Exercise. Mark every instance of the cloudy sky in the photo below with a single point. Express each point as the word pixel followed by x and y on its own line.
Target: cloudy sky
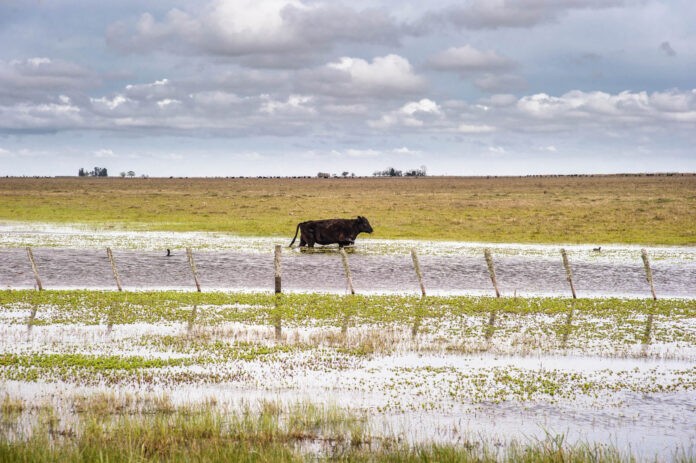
pixel 293 87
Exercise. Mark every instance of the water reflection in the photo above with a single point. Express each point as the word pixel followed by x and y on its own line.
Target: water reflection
pixel 323 271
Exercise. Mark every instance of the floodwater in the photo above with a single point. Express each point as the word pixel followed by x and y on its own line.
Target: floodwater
pixel 323 271
pixel 417 393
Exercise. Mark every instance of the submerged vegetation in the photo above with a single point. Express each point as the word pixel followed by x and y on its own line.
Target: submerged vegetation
pixel 218 376
pixel 109 429
pixel 598 209
pixel 100 307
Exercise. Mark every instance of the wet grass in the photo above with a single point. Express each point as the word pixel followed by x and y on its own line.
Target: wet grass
pixel 233 345
pixel 108 430
pixel 601 209
pixel 100 307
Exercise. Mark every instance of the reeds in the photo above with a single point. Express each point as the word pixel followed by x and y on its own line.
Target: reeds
pixel 267 431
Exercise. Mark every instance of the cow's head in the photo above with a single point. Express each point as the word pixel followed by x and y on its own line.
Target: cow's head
pixel 363 225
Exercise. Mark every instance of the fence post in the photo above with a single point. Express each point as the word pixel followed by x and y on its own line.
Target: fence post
pixel 491 270
pixel 569 273
pixel 490 329
pixel 416 266
pixel 418 316
pixel 34 269
pixel 192 264
pixel 349 279
pixel 34 307
pixel 648 272
pixel 113 269
pixel 276 265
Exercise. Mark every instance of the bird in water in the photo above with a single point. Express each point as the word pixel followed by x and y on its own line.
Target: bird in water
pixel 169 252
pixel 599 249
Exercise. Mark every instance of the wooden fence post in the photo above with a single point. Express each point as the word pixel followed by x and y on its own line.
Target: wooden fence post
pixel 418 316
pixel 346 268
pixel 569 273
pixel 416 266
pixel 490 329
pixel 34 308
pixel 113 268
pixel 648 272
pixel 192 264
pixel 491 270
pixel 34 269
pixel 276 265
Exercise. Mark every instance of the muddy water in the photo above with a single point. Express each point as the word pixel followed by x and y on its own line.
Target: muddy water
pixel 323 271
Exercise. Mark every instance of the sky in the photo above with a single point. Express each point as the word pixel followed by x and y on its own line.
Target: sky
pixel 297 87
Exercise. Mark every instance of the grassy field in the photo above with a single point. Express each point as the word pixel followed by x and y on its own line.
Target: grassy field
pixel 599 209
pixel 167 383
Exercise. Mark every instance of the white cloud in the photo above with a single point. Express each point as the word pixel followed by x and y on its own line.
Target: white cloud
pixel 468 59
pixel 293 104
pixel 475 128
pixel 413 114
pixel 601 107
pixel 250 27
pixel 391 73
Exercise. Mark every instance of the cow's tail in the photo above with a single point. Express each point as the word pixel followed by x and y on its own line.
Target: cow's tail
pixel 295 237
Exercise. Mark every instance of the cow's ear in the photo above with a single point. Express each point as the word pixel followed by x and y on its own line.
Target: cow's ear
pixel 360 217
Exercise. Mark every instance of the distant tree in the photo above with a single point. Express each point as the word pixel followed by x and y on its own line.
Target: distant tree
pixel 131 174
pixel 345 173
pixel 415 172
pixel 82 172
pixel 99 172
pixel 323 175
pixel 391 172
pixel 122 174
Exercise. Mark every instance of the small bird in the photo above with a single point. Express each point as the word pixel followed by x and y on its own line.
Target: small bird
pixel 169 252
pixel 599 249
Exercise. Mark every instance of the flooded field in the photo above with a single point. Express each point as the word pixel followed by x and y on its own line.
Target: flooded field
pixel 621 375
pixel 72 258
pixel 462 370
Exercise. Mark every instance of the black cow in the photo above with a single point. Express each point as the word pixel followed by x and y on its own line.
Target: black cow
pixel 341 231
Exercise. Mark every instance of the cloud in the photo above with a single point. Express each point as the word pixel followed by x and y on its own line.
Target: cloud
pixel 295 104
pixel 475 128
pixel 667 49
pixel 600 109
pixel 412 114
pixel 495 14
pixel 497 83
pixel 255 30
pixel 468 59
pixel 385 74
pixel 37 77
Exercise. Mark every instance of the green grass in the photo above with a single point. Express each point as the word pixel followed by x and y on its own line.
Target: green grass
pixel 271 432
pixel 101 307
pixel 601 209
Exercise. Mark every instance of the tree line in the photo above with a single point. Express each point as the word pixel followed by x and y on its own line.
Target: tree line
pixel 96 172
pixel 392 172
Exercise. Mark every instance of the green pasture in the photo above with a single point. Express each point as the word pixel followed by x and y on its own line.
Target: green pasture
pixel 597 209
